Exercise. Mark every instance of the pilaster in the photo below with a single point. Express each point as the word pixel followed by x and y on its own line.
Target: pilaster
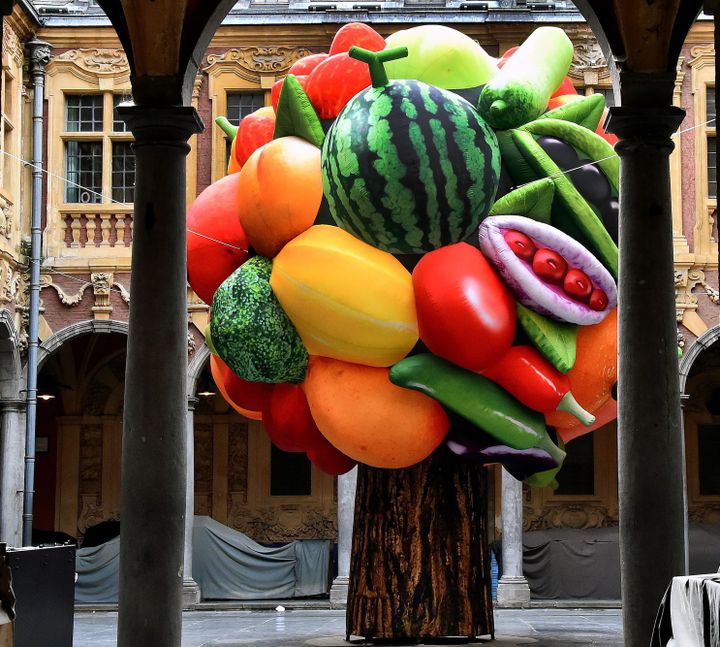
pixel 346 487
pixel 191 589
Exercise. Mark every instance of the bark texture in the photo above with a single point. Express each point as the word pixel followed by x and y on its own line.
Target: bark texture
pixel 420 566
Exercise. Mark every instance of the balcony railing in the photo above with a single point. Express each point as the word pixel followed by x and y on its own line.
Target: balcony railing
pixel 94 230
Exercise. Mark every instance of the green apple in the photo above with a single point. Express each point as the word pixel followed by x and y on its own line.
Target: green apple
pixel 440 56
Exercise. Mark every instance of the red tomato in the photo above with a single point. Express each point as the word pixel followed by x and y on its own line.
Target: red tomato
pixel 465 313
pixel 358 34
pixel 334 82
pixel 307 64
pixel 218 370
pixel 254 131
pixel 566 87
pixel 253 396
pixel 330 460
pixel 288 420
pixel 214 214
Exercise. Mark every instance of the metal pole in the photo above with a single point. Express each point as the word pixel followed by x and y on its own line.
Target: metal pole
pixel 39 52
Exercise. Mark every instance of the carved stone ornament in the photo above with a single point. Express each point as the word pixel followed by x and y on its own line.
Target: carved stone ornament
pixel 11 44
pixel 97 60
pixel 39 53
pixel 65 298
pixel 6 218
pixel 9 281
pixel 260 60
pixel 569 515
pixel 687 280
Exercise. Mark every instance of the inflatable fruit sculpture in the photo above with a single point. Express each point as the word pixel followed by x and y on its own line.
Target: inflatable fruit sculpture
pixel 393 305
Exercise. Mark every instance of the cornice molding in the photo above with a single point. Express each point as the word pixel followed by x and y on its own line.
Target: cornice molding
pixel 252 62
pixel 702 56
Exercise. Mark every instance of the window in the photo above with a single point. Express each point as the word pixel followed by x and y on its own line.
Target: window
pixel 289 473
pixel 577 476
pixel 7 127
pixel 99 161
pixel 711 143
pixel 708 459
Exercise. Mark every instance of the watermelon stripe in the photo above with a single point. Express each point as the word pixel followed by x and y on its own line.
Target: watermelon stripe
pixel 414 167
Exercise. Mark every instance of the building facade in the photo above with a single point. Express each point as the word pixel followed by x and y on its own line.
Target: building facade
pixel 239 478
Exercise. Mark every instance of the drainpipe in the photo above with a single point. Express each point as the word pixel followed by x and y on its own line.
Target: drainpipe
pixel 39 53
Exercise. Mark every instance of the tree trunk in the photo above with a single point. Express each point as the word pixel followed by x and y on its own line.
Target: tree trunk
pixel 420 566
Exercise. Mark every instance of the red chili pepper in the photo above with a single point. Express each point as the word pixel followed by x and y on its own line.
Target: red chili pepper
pixel 525 373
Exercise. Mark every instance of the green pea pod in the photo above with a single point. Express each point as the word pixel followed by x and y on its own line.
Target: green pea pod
pixel 556 340
pixel 474 397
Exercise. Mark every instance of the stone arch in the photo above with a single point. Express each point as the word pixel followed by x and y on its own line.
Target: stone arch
pixel 195 367
pixel 10 364
pixel 53 343
pixel 705 341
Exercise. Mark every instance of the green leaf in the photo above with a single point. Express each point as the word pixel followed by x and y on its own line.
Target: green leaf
pixel 296 115
pixel 533 200
pixel 555 340
pixel 586 112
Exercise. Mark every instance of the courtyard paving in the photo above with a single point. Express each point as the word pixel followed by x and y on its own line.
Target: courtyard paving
pixel 324 628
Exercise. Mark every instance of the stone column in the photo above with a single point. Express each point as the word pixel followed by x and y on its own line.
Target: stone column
pixel 651 458
pixel 154 461
pixel 346 485
pixel 513 589
pixel 191 590
pixel 12 452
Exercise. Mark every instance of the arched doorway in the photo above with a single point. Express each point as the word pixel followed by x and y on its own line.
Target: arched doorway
pixel 700 389
pixel 79 428
pixel 244 482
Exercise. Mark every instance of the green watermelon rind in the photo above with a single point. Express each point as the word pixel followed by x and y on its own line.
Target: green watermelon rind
pixel 409 167
pixel 250 330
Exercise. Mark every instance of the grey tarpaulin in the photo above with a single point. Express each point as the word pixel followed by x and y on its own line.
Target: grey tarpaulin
pixel 564 563
pixel 227 565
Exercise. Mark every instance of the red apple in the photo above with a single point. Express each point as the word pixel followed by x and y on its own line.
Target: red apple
pixel 358 34
pixel 288 421
pixel 549 265
pixel 578 285
pixel 330 460
pixel 213 216
pixel 520 244
pixel 334 82
pixel 307 64
pixel 254 131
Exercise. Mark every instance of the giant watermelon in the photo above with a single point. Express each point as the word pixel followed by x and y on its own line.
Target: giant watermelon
pixel 408 167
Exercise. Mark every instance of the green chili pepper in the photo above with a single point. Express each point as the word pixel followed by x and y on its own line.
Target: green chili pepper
pixel 473 397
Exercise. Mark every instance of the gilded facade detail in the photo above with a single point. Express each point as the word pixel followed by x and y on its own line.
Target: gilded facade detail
pixel 570 515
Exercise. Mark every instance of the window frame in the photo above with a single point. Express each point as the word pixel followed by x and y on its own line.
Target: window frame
pixel 107 136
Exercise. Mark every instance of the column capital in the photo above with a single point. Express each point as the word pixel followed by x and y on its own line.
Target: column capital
pixel 13 405
pixel 39 52
pixel 161 126
pixel 643 126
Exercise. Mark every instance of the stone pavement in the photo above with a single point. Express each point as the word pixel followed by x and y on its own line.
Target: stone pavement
pixel 324 628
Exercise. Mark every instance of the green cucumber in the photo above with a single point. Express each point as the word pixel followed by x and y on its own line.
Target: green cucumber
pixel 522 88
pixel 473 397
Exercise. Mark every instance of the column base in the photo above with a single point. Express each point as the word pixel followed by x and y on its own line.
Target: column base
pixel 513 593
pixel 190 593
pixel 339 592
